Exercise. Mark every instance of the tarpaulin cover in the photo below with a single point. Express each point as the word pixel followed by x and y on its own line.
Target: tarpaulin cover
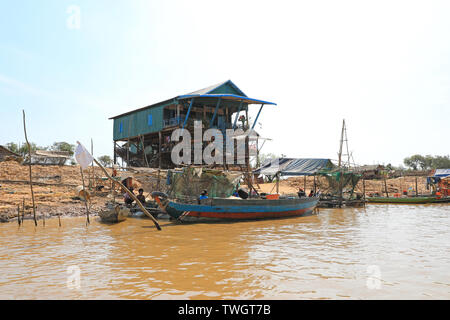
pixel 294 167
pixel 442 173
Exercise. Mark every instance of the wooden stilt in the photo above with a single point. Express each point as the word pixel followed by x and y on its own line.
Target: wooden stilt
pixel 115 154
pixel 29 167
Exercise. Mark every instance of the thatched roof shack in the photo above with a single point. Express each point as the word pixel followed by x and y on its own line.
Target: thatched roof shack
pixel 370 171
pixel 6 154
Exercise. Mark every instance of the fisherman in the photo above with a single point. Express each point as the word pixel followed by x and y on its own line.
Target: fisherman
pixel 203 195
pixel 141 196
pixel 127 198
pixel 311 194
pixel 236 193
pixel 301 193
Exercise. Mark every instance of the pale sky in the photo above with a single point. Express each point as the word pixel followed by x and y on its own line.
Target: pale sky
pixel 384 66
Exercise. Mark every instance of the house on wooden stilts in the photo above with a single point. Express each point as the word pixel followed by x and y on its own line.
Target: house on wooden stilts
pixel 145 133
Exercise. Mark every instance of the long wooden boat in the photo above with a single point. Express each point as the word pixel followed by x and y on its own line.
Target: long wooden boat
pixel 407 200
pixel 220 209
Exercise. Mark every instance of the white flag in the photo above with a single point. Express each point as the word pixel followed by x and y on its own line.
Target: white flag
pixel 82 156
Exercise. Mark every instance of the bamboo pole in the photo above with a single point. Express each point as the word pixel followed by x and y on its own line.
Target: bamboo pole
pixel 18 214
pixel 385 188
pixel 23 209
pixel 85 197
pixel 159 159
pixel 364 191
pixel 92 166
pixel 130 193
pixel 417 190
pixel 29 167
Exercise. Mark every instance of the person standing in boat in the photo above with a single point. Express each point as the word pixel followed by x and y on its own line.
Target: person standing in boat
pixel 311 194
pixel 301 193
pixel 203 195
pixel 141 196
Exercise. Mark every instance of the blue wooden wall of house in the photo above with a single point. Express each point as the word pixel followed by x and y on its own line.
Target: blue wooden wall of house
pixel 150 119
pixel 140 122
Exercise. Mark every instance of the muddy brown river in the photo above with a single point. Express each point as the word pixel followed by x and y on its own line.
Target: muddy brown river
pixel 377 252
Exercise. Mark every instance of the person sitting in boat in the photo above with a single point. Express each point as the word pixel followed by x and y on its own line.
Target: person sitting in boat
pixel 311 193
pixel 203 195
pixel 141 196
pixel 301 193
pixel 236 193
pixel 127 198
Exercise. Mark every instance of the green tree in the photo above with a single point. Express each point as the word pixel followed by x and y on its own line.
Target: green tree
pixel 418 161
pixel 441 162
pixel 415 162
pixel 23 150
pixel 12 147
pixel 106 161
pixel 63 146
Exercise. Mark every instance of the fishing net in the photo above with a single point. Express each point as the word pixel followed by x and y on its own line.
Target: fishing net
pixel 190 182
pixel 349 180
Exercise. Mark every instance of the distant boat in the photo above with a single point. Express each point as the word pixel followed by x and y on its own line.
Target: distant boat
pixel 408 200
pixel 225 209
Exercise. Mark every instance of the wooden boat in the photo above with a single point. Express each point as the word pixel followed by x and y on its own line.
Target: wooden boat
pixel 220 209
pixel 406 200
pixel 114 215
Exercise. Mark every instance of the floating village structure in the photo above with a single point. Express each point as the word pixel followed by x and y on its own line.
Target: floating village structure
pixel 146 132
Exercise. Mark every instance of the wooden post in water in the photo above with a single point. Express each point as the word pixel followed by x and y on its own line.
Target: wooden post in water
pixel 92 183
pixel 85 197
pixel 18 214
pixel 23 209
pixel 29 167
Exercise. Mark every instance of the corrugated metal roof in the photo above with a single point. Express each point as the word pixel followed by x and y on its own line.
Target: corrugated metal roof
pixel 293 167
pixel 204 91
pixel 208 89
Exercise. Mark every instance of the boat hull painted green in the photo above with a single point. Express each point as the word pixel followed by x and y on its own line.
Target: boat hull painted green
pixel 406 200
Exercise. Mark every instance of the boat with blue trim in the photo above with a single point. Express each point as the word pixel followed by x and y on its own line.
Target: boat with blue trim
pixel 235 209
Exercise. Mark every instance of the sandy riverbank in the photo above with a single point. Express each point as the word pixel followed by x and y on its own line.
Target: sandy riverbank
pixel 55 189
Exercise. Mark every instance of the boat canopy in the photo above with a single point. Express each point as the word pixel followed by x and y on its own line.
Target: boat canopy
pixel 441 173
pixel 294 166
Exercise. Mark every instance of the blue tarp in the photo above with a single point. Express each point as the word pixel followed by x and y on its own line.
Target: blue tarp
pixel 293 167
pixel 441 173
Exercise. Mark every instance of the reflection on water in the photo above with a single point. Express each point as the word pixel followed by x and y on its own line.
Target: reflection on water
pixel 381 252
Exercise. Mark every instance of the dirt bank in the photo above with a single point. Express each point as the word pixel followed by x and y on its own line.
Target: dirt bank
pixel 291 185
pixel 54 190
